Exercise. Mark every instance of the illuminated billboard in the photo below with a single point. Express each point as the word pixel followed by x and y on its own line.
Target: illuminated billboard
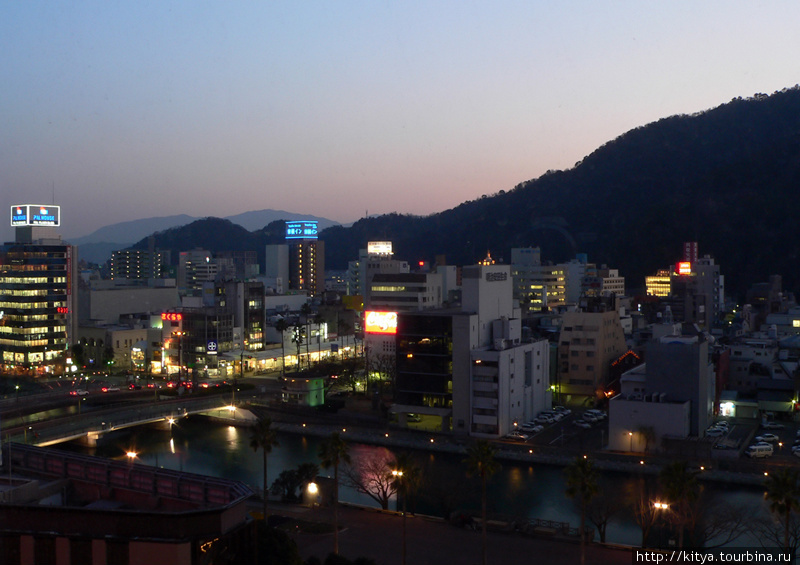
pixel 380 322
pixel 35 215
pixel 684 268
pixel 171 316
pixel 379 247
pixel 301 230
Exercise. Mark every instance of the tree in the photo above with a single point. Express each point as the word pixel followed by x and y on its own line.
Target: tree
pixel 333 451
pixel 582 487
pixel 305 310
pixel 343 328
pixel 318 321
pixel 297 339
pixel 681 491
pixel 783 494
pixel 640 500
pixel 406 475
pixel 264 438
pixel 602 508
pixel 371 474
pixel 648 435
pixel 290 480
pixel 281 326
pixel 481 462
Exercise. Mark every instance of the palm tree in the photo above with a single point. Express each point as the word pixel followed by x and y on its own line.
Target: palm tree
pixel 681 489
pixel 481 462
pixel 305 310
pixel 264 438
pixel 406 481
pixel 582 486
pixel 319 319
pixel 783 494
pixel 297 339
pixel 282 325
pixel 342 327
pixel 332 452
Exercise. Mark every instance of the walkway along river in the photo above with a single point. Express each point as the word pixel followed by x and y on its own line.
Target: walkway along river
pixel 520 489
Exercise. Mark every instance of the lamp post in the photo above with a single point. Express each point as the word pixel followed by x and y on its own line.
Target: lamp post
pixel 398 475
pixel 630 441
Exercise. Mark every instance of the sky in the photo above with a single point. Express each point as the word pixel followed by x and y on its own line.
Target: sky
pixel 134 109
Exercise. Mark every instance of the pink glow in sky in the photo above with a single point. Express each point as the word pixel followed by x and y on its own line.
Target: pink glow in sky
pixel 128 110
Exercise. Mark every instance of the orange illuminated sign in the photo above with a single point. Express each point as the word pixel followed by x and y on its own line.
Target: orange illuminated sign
pixel 171 316
pixel 684 268
pixel 380 322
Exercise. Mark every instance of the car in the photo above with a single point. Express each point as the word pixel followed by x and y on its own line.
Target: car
pixel 795 448
pixel 599 414
pixel 715 432
pixel 772 426
pixel 78 392
pixel 517 436
pixel 110 389
pixel 561 409
pixel 591 418
pixel 582 424
pixel 558 416
pixel 796 453
pixel 767 438
pixel 134 386
pixel 410 417
pixel 544 420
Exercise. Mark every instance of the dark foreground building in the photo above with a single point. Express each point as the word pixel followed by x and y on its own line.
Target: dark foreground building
pixel 62 508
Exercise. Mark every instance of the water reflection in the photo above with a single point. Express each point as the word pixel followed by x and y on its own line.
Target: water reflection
pixel 523 490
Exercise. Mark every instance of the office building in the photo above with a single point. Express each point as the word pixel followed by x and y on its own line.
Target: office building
pixel 38 298
pixel 469 366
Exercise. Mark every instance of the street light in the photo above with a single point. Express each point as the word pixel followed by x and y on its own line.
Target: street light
pixel 398 475
pixel 630 438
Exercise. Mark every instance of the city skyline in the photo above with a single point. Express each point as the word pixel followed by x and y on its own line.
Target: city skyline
pixel 128 111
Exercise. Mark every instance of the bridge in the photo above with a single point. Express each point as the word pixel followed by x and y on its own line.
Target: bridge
pixel 90 426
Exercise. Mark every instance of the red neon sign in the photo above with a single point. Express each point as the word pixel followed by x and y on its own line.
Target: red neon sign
pixel 684 268
pixel 171 316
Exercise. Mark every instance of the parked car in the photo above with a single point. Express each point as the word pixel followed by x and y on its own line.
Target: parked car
pixel 759 451
pixel 413 417
pixel 771 438
pixel 599 414
pixel 544 420
pixel 582 424
pixel 772 426
pixel 591 418
pixel 517 436
pixel 715 432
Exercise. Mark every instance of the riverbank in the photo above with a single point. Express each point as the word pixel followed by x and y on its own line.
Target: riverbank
pixel 373 433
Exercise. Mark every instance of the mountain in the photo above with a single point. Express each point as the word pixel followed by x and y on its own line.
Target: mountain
pixel 726 178
pixel 98 246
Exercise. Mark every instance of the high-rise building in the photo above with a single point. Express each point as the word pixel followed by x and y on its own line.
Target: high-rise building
pixel 136 264
pixel 38 275
pixel 195 267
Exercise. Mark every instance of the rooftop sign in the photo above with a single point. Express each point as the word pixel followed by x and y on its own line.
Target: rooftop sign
pixel 380 322
pixel 301 230
pixel 35 215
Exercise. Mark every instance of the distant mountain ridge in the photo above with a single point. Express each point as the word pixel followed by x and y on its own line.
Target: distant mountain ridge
pixel 98 246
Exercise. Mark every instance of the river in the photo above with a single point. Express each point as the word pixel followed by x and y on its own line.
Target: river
pixel 529 491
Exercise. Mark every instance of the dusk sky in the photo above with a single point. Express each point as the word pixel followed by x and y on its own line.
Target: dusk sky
pixel 128 110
